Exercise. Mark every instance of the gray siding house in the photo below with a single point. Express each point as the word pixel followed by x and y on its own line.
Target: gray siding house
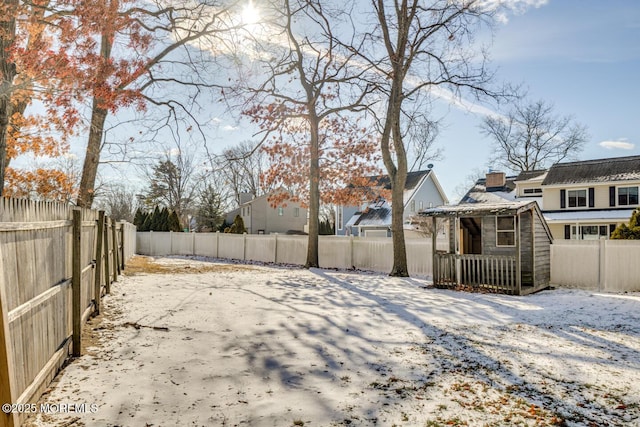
pixel 261 218
pixel 373 217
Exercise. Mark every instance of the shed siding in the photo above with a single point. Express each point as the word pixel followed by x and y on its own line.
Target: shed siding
pixel 526 248
pixel 542 256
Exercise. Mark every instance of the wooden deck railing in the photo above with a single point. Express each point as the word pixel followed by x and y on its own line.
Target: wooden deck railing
pixel 491 272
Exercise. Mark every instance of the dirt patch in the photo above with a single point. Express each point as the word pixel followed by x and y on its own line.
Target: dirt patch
pixel 148 265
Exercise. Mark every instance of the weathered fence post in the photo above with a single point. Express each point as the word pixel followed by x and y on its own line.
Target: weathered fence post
pixel 6 367
pixel 98 277
pixel 122 257
pixel 115 250
pixel 76 281
pixel 107 272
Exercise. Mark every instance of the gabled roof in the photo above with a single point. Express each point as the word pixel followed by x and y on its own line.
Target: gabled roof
pixel 481 209
pixel 530 175
pixel 374 217
pixel 480 194
pixel 593 171
pixel 413 180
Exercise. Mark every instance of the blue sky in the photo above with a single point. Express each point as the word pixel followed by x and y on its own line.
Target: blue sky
pixel 581 55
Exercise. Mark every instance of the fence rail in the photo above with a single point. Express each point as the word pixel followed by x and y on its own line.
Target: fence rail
pixel 490 272
pixel 56 262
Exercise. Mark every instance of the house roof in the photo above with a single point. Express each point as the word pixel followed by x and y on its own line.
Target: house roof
pixel 593 171
pixel 413 180
pixel 374 217
pixel 589 216
pixel 480 194
pixel 530 175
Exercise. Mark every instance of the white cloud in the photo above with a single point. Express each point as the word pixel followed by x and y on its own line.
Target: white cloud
pixel 517 7
pixel 620 144
pixel 229 128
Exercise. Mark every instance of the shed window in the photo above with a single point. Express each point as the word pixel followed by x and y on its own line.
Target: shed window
pixel 506 231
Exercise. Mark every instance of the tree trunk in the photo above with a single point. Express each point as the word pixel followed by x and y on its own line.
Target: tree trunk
pixel 7 74
pixel 392 134
pixel 92 157
pixel 86 192
pixel 314 194
pixel 400 268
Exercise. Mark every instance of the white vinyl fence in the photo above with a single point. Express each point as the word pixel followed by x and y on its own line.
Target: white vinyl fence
pixel 373 254
pixel 601 265
pixel 604 265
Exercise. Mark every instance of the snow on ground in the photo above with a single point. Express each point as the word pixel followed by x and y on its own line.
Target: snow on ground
pixel 267 346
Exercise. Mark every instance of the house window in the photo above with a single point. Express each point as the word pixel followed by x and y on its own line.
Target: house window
pixel 506 231
pixel 296 212
pixel 280 211
pixel 421 205
pixel 413 206
pixel 589 232
pixel 248 210
pixel 533 191
pixel 577 198
pixel 627 196
pixel 339 214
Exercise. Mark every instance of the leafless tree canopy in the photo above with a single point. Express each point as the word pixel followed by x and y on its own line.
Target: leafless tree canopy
pixel 533 136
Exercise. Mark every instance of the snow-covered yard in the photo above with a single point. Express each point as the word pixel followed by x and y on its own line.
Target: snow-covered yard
pixel 213 344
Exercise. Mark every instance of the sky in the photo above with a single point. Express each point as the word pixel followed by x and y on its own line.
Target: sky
pixel 583 56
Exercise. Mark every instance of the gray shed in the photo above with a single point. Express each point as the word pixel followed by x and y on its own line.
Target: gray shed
pixel 502 247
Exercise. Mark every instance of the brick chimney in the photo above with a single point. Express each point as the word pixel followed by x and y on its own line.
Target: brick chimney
pixel 495 180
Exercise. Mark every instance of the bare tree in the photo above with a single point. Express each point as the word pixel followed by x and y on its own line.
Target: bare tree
pixel 306 81
pixel 165 35
pixel 241 168
pixel 118 201
pixel 416 48
pixel 532 136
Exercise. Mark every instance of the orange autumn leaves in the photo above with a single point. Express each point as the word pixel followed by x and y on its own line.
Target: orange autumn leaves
pixel 54 49
pixel 347 153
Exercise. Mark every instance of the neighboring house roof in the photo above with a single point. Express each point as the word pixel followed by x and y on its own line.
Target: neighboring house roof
pixel 479 193
pixel 373 216
pixel 531 175
pixel 622 215
pixel 594 171
pixel 378 213
pixel 414 180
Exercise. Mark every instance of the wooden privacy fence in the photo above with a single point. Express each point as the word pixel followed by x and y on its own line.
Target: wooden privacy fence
pixel 56 262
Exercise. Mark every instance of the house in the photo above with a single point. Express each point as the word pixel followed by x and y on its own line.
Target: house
pixel 589 199
pixel 261 218
pixel 496 187
pixel 373 217
pixel 502 246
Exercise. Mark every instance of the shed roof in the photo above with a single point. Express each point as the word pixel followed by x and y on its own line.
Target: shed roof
pixel 480 209
pixel 598 170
